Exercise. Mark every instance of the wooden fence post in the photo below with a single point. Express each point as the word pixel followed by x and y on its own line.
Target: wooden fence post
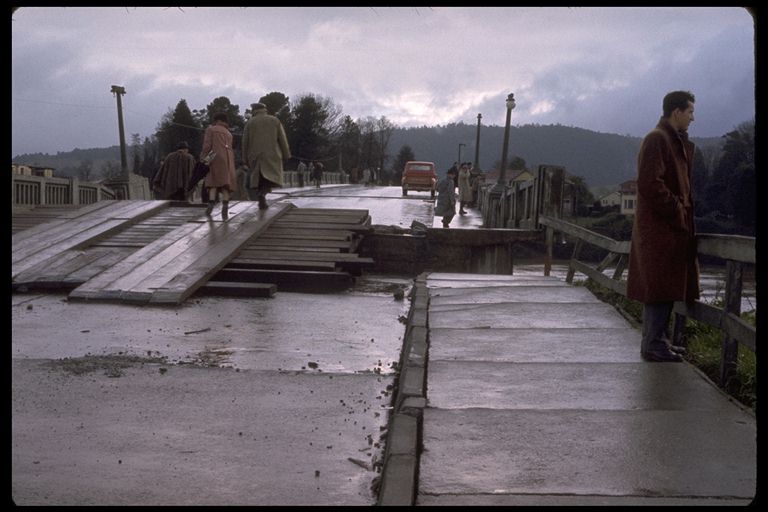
pixel 730 348
pixel 548 257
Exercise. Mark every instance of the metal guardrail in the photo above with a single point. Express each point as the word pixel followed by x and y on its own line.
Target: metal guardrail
pixel 38 190
pixel 735 250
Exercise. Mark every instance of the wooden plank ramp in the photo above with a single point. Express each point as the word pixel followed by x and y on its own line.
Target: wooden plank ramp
pixel 174 266
pixel 308 250
pixel 46 243
pixel 161 252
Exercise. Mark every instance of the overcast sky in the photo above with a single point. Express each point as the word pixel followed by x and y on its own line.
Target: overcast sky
pixel 604 69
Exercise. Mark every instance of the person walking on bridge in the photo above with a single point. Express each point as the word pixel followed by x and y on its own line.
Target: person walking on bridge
pixel 446 198
pixel 265 147
pixel 220 180
pixel 663 267
pixel 171 179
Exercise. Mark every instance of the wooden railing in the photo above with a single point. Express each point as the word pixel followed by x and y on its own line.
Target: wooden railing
pixel 737 251
pixel 37 190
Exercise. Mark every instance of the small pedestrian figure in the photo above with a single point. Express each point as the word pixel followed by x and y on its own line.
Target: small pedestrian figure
pixel 465 190
pixel 446 198
pixel 241 177
pixel 300 170
pixel 171 179
pixel 317 173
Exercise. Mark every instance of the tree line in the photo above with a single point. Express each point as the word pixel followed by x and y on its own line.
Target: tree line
pixel 315 126
pixel 724 174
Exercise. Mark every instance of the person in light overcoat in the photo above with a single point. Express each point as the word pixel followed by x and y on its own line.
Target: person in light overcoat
pixel 663 266
pixel 220 179
pixel 265 147
pixel 465 189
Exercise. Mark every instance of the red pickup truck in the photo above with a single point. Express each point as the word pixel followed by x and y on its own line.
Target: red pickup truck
pixel 419 176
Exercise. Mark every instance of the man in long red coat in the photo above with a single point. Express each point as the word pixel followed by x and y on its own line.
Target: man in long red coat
pixel 662 262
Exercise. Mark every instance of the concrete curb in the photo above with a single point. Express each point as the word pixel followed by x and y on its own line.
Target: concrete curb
pixel 399 478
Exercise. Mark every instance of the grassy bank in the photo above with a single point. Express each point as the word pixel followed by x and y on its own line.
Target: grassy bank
pixel 703 343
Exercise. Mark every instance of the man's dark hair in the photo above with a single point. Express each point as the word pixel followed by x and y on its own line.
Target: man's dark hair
pixel 221 116
pixel 675 100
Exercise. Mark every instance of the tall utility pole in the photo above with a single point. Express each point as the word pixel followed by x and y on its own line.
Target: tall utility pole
pixel 119 91
pixel 477 144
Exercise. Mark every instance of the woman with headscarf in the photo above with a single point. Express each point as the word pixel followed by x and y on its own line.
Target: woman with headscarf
pixel 220 180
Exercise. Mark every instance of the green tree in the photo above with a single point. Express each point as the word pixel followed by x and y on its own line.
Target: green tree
pixel 151 159
pixel 110 170
pixel 699 181
pixel 369 143
pixel 313 126
pixel 384 129
pixel 204 117
pixel 582 196
pixel 731 188
pixel 278 105
pixel 85 170
pixel 179 125
pixel 405 154
pixel 349 143
pixel 136 145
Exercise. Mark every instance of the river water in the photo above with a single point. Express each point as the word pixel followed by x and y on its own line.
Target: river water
pixel 712 281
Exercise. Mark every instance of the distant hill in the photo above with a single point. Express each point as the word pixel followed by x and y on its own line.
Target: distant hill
pixel 602 159
pixel 66 163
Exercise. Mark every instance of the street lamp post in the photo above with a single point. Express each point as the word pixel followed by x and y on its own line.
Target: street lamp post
pixel 503 171
pixel 493 217
pixel 477 144
pixel 460 145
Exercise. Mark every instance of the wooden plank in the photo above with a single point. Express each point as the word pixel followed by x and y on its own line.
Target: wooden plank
pixel 332 244
pixel 228 289
pixel 63 219
pixel 217 256
pixel 322 256
pixel 324 219
pixel 277 247
pixel 87 230
pixel 94 287
pixel 31 275
pixel 292 280
pixel 341 211
pixel 112 257
pixel 140 285
pixel 328 266
pixel 48 230
pixel 308 235
pixel 162 266
pixel 310 225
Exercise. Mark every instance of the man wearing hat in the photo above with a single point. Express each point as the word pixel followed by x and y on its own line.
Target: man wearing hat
pixel 265 147
pixel 171 179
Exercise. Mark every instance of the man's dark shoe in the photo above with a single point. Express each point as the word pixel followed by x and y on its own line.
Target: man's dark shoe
pixel 661 356
pixel 263 203
pixel 678 350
